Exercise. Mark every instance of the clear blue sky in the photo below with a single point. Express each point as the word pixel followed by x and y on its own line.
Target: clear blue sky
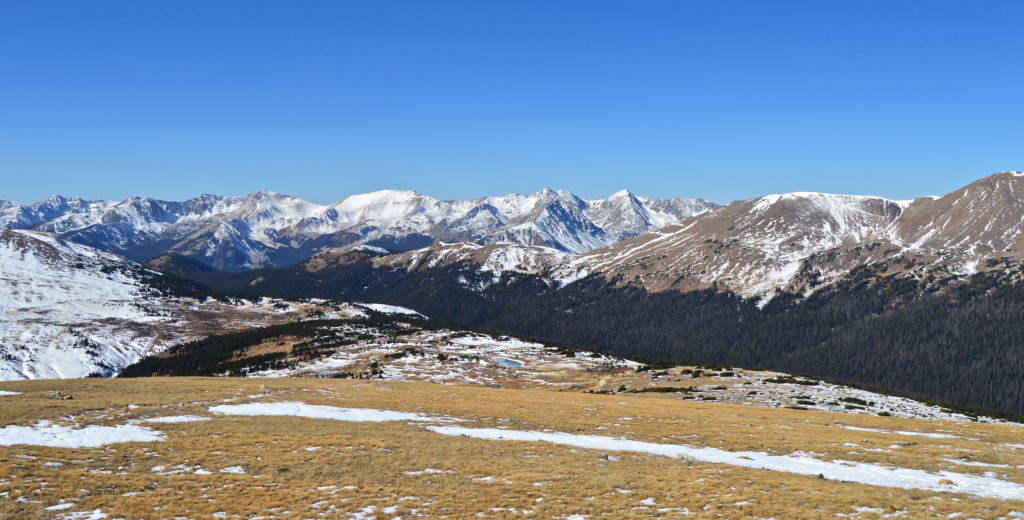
pixel 717 99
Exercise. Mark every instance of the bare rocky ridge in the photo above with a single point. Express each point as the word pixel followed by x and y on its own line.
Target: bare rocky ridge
pixel 782 242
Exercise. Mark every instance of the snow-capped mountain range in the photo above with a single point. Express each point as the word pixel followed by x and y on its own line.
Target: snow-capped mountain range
pixel 267 229
pixel 794 242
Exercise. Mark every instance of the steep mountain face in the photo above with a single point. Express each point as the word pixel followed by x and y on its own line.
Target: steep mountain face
pixel 267 229
pixel 750 247
pixel 628 215
pixel 70 310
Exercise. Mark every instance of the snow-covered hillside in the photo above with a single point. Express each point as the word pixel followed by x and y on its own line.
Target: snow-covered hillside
pixel 270 229
pixel 69 310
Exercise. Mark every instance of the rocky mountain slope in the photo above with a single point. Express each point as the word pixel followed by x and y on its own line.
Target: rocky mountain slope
pixel 268 229
pixel 797 241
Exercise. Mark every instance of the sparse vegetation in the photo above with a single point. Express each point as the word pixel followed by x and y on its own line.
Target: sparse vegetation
pixel 282 478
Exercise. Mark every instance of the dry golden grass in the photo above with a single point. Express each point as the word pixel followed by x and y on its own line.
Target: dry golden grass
pixel 358 465
pixel 272 346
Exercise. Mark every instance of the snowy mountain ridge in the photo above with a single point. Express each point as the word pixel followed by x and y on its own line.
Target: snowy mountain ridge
pixel 795 242
pixel 266 229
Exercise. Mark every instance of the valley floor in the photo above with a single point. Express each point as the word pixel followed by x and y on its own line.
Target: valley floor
pixel 331 448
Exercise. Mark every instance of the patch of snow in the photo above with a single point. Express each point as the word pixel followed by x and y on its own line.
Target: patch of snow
pixel 913 434
pixel 859 472
pixel 176 419
pixel 428 471
pixel 977 464
pixel 373 249
pixel 365 513
pixel 54 436
pixel 314 411
pixel 388 309
pixel 96 514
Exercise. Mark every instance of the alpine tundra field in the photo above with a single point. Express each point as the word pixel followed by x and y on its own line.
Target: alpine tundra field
pixel 250 448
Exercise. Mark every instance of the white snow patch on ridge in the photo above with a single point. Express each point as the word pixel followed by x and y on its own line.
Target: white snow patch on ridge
pixel 314 411
pixel 4 392
pixel 373 249
pixel 388 309
pixel 859 472
pixel 54 436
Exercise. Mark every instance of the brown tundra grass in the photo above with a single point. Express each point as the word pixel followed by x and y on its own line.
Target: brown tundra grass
pixel 308 468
